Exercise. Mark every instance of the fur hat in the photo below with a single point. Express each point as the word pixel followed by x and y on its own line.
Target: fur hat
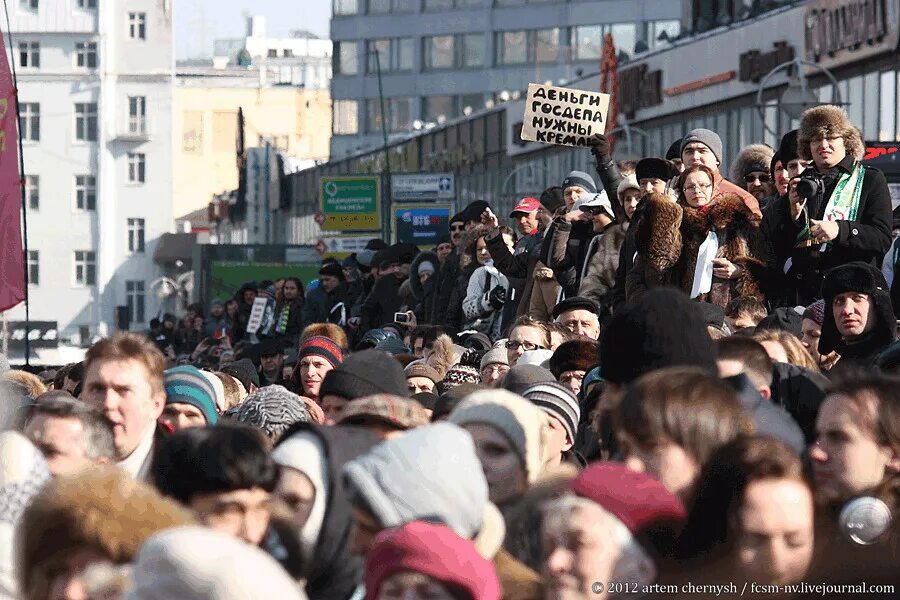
pixel 829 120
pixel 575 355
pixel 103 510
pixel 863 278
pixel 752 158
pixel 654 168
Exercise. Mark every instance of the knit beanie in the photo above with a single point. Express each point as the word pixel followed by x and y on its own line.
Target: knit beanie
pixel 523 424
pixel 364 374
pixel 461 374
pixel 495 356
pixel 324 347
pixel 663 328
pixel 674 151
pixel 420 368
pixel 788 150
pixel 393 411
pixel 426 266
pixel 557 401
pixel 815 312
pixel 521 377
pixel 708 138
pixel 651 513
pixel 271 409
pixel 581 179
pixel 433 550
pixel 575 355
pixel 244 371
pixel 187 385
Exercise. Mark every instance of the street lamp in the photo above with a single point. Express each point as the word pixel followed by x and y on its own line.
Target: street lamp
pixel 798 96
pixel 386 208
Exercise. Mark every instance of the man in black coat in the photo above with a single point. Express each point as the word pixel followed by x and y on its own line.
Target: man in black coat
pixel 848 220
pixel 450 270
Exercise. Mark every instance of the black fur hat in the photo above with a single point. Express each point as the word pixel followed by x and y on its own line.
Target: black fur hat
pixel 862 278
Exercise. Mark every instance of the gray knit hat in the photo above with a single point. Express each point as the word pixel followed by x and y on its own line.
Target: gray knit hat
pixel 581 179
pixel 272 409
pixel 557 401
pixel 708 138
pixel 521 377
pixel 494 356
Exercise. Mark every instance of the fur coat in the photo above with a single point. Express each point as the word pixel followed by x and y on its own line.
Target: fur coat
pixel 670 235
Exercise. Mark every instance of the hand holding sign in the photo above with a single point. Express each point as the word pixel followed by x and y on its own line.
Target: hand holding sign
pixel 563 116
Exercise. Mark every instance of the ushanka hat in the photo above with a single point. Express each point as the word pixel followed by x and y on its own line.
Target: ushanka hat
pixel 828 120
pixel 861 278
pixel 575 355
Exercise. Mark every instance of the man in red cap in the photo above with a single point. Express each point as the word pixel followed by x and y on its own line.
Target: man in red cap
pixel 525 215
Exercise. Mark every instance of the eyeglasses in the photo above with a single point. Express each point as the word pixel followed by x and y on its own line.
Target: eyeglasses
pixel 457 228
pixel 527 346
pixel 698 187
pixel 761 178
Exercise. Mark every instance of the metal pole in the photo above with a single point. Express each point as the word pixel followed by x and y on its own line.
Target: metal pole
pixel 265 177
pixel 12 60
pixel 386 199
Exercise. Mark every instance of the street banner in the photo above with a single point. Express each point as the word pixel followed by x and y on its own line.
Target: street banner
pixel 12 271
pixel 421 224
pixel 422 186
pixel 350 203
pixel 563 116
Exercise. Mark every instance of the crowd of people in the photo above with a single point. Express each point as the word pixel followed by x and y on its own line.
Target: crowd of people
pixel 659 382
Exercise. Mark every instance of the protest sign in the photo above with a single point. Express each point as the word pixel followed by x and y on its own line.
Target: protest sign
pixel 256 315
pixel 563 116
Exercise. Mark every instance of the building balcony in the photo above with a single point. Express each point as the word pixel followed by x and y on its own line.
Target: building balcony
pixel 134 130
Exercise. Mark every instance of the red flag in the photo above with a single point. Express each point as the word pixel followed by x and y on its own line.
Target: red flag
pixel 12 273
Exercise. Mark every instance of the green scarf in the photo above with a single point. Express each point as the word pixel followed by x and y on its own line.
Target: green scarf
pixel 843 205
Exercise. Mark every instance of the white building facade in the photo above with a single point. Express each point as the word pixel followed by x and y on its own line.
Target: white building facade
pixel 96 82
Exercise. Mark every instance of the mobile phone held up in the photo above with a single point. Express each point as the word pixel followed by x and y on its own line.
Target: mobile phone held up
pixel 401 317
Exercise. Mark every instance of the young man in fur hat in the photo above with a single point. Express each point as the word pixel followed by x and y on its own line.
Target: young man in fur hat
pixel 848 220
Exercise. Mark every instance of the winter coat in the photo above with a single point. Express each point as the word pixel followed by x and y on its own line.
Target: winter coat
pixel 598 276
pixel 445 284
pixel 211 325
pixel 423 294
pixel 477 309
pixel 800 392
pixel 564 250
pixel 518 265
pixel 381 304
pixel 453 312
pixel 768 418
pixel 517 283
pixel 289 319
pixel 669 239
pixel 321 307
pixel 866 239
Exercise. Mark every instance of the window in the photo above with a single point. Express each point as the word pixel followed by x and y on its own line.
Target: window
pixel 472 50
pixel 546 45
pixel 135 235
pixel 346 58
pixel 387 6
pixel 272 53
pixel 30 121
pixel 86 55
pixel 471 102
pixel 29 55
pixel 394 54
pixel 346 117
pixel 86 121
pixel 345 7
pixel 659 32
pixel 399 114
pixel 85 267
pixel 588 39
pixel 135 299
pixel 512 47
pixel 34 268
pixel 437 109
pixel 87 3
pixel 136 167
pixel 137 25
pixel 28 4
pixel 379 6
pixel 887 102
pixel 137 115
pixel 448 4
pixel 32 191
pixel 439 52
pixel 624 37
pixel 85 192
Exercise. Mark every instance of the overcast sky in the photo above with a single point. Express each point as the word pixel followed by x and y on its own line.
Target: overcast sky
pixel 199 22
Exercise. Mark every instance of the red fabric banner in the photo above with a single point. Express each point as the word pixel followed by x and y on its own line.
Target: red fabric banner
pixel 12 274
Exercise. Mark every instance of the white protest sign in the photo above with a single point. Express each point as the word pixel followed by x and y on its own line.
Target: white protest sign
pixel 563 116
pixel 256 315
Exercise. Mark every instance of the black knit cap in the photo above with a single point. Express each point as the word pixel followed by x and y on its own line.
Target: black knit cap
pixel 788 149
pixel 674 151
pixel 862 278
pixel 661 329
pixel 244 371
pixel 654 168
pixel 332 270
pixel 775 158
pixel 364 374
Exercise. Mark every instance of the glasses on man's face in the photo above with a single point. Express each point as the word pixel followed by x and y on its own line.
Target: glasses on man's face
pixel 760 178
pixel 457 228
pixel 527 346
pixel 697 187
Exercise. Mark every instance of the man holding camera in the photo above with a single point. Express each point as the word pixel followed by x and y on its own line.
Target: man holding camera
pixel 837 211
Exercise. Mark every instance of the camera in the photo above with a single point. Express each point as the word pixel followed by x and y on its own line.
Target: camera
pixel 810 186
pixel 401 317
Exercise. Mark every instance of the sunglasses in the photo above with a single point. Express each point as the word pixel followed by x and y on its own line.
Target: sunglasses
pixel 457 228
pixel 761 178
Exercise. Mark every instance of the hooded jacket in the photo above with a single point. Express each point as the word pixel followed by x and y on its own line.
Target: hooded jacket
pixel 862 352
pixel 332 573
pixel 477 308
pixel 423 293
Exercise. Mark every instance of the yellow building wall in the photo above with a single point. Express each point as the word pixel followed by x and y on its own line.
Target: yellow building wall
pixel 296 120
